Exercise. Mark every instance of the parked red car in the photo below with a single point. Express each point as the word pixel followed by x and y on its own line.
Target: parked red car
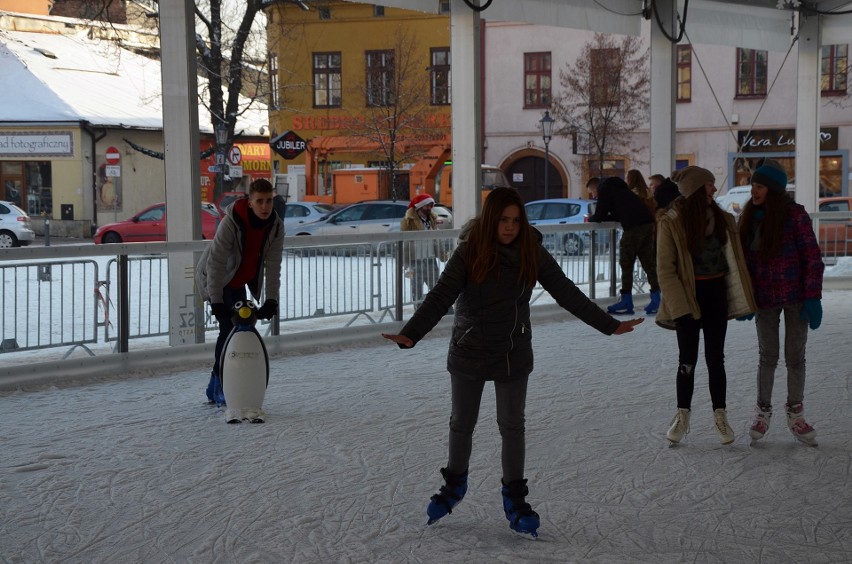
pixel 835 235
pixel 150 225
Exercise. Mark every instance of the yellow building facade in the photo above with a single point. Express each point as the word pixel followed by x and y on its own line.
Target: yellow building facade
pixel 347 80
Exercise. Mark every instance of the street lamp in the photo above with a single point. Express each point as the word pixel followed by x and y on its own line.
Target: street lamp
pixel 221 132
pixel 546 135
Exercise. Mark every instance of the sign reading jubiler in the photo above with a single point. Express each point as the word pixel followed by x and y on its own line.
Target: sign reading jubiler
pixel 288 145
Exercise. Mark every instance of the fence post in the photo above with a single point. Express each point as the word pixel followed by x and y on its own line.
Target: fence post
pixel 398 276
pixel 123 305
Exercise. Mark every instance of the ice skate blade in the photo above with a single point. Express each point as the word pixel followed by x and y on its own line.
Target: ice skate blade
pixel 533 535
pixel 808 442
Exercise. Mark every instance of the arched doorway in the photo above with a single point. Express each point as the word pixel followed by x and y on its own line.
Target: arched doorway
pixel 527 175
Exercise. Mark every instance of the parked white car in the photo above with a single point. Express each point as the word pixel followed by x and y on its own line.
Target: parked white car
pixel 15 226
pixel 734 200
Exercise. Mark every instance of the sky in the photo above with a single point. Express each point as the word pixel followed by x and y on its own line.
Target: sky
pixel 135 467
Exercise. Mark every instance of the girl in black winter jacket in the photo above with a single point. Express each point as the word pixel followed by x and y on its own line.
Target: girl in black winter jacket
pixel 490 279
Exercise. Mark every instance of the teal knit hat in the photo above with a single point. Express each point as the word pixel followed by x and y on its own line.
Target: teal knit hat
pixel 773 178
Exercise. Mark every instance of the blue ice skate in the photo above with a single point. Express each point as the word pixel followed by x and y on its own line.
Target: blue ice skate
pixel 522 518
pixel 448 496
pixel 624 305
pixel 215 394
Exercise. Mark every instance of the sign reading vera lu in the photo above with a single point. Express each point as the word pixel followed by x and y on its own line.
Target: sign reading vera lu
pixel 112 156
pixel 288 145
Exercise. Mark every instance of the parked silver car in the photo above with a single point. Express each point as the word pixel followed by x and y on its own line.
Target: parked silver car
pixel 445 216
pixel 297 214
pixel 561 211
pixel 377 216
pixel 15 226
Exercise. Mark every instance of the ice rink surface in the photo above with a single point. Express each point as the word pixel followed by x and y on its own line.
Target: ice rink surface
pixel 139 469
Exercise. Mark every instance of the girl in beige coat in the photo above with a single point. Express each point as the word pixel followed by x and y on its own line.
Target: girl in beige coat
pixel 704 283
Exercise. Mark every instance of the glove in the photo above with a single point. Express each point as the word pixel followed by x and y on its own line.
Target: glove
pixel 747 317
pixel 812 312
pixel 219 310
pixel 267 310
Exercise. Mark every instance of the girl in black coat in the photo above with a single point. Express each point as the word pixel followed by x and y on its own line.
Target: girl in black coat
pixel 490 279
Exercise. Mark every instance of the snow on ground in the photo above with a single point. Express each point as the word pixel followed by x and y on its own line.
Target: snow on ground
pixel 141 470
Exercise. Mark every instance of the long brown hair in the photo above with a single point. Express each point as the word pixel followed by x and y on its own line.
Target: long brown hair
pixel 482 240
pixel 636 183
pixel 772 224
pixel 693 211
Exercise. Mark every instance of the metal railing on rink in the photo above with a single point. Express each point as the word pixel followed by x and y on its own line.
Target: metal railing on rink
pixel 66 301
pixel 49 304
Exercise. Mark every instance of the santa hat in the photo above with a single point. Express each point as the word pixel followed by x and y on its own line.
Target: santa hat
pixel 421 200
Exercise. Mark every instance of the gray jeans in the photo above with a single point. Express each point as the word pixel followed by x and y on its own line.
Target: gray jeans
pixel 511 399
pixel 795 340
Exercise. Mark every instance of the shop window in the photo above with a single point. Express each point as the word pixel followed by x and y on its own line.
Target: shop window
pixel 28 184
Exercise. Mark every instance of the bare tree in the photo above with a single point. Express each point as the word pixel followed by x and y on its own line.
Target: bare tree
pixel 396 94
pixel 604 97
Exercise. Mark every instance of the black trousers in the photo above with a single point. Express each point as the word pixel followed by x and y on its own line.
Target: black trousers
pixel 511 399
pixel 712 298
pixel 230 296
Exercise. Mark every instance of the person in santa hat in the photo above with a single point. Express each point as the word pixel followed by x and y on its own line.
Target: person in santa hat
pixel 421 257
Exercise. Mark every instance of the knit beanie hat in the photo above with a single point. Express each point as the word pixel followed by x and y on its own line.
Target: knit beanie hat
pixel 772 177
pixel 691 179
pixel 421 200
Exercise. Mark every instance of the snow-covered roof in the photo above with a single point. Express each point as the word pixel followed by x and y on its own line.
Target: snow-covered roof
pixel 57 77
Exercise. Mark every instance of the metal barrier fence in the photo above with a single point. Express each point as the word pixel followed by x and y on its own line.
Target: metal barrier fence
pixel 147 278
pixel 49 304
pixel 326 282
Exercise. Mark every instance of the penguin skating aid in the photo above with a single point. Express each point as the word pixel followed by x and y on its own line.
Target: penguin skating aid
pixel 244 367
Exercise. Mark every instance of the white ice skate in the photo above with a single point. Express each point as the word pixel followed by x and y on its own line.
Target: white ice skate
pixel 798 426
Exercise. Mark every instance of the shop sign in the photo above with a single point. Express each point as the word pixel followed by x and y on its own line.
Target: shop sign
pixel 288 145
pixel 36 144
pixel 782 140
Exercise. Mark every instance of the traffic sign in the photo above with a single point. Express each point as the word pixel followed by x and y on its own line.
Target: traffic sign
pixel 112 171
pixel 235 155
pixel 235 171
pixel 112 156
pixel 214 168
